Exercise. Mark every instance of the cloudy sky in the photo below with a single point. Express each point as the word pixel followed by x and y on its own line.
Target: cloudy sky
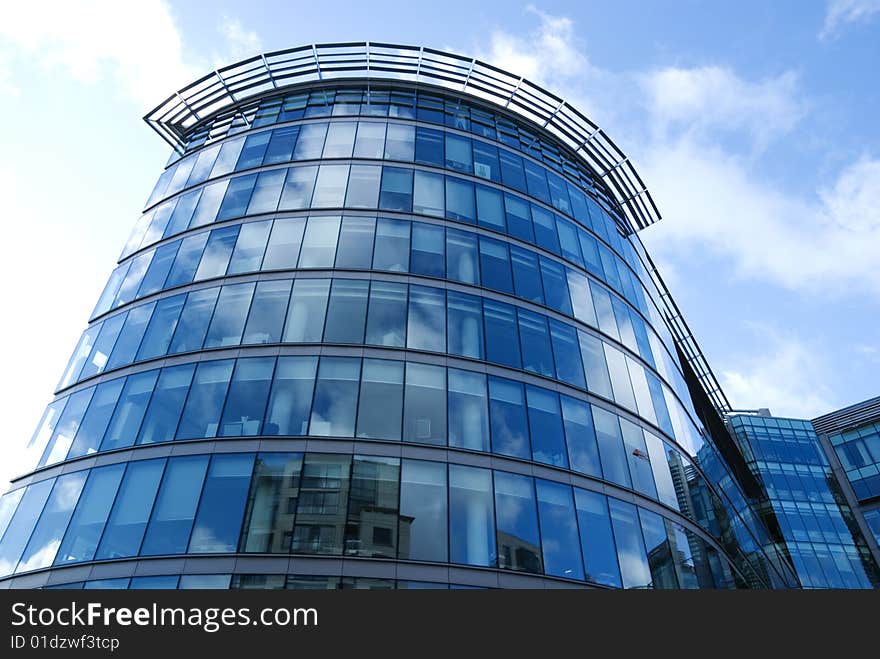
pixel 754 125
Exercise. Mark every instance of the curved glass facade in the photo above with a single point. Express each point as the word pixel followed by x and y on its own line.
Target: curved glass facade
pixel 370 337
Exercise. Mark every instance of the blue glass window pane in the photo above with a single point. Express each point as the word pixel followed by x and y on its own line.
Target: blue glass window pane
pixel 660 409
pixel 400 142
pixel 581 300
pixel 319 242
pixel 590 251
pixel 218 521
pixel 33 453
pixel 320 514
pixel 519 542
pixel 386 320
pixel 340 139
pixel 634 568
pixel 111 288
pixel 363 186
pixel 468 410
pixel 637 456
pixel 458 153
pixel 172 519
pixel 423 510
pixel 568 241
pixel 555 286
pixel 246 401
pixel 268 527
pixel 526 275
pixel 237 197
pixel 429 146
pixel 380 408
pixel 545 425
pixel 161 328
pixel 336 390
pixel 129 412
pixel 392 245
pixel 580 436
pixel 502 337
pixel 230 315
pixel 283 249
pixel 131 510
pixel 310 142
pixel 46 537
pixel 355 248
pixel 597 541
pixel 512 173
pixel 67 426
pixel 249 247
pixel 614 462
pixel 204 163
pixel 495 265
pixel 330 186
pixel 534 338
pixel 159 268
pixel 620 381
pixel 183 213
pixel 464 321
pixel 291 399
pixel 97 417
pixel 567 354
pixel 166 404
pixel 426 320
pixel 471 516
pixel 462 260
pixel 624 324
pixel 610 267
pixel 201 415
pixel 132 281
pixel 428 257
pixel 370 142
pixel 298 187
pixel 659 551
pixel 267 192
pixel 545 229
pixel 22 523
pixel 280 148
pixel 308 306
pixel 158 223
pixel 490 208
pixel 536 180
pixel 396 192
pixel 253 151
pixel 217 253
pixel 187 261
pixel 642 341
pixel 194 320
pixel 129 340
pixel 558 193
pixel 209 204
pixel 595 368
pixel 346 311
pixel 83 348
pixel 428 194
pixel 460 200
pixel 519 218
pixel 507 413
pixel 559 530
pixel 87 524
pixel 109 332
pixel 424 416
pixel 486 161
pixel 266 316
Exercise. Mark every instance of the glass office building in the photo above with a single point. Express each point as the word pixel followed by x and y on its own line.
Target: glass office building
pixel 386 322
pixel 819 530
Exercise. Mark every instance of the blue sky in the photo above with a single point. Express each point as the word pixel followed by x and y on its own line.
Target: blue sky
pixel 752 123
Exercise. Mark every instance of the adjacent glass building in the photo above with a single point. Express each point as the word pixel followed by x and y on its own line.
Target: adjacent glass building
pixel 384 322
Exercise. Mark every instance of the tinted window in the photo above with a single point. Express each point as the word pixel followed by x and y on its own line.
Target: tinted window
pixel 201 415
pixel 172 519
pixel 291 399
pixel 471 516
pixel 519 543
pixel 218 521
pixel 336 390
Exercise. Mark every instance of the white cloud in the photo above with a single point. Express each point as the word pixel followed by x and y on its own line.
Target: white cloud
pixel 841 12
pixel 136 45
pixel 705 100
pixel 241 43
pixel 788 378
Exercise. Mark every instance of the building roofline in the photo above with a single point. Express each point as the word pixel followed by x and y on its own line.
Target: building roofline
pixel 278 70
pixel 848 417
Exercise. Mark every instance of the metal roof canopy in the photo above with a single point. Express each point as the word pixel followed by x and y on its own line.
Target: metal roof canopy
pixel 268 72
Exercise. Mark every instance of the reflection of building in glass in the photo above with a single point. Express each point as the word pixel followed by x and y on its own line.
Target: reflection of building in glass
pixel 386 321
